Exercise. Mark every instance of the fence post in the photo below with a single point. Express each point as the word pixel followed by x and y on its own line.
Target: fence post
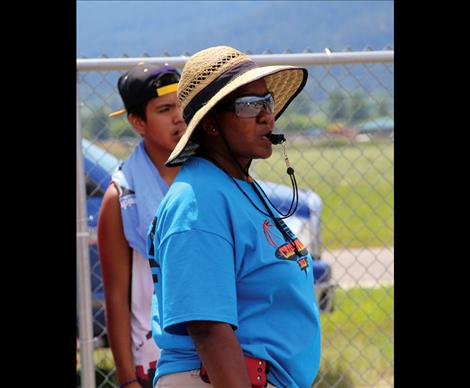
pixel 85 318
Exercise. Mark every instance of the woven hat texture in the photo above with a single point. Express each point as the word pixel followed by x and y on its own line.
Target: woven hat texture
pixel 212 74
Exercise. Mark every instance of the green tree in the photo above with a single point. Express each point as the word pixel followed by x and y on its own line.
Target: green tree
pixel 358 108
pixel 337 107
pixel 382 108
pixel 302 104
pixel 95 125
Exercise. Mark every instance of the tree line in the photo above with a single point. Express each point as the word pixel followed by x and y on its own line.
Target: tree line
pixel 304 113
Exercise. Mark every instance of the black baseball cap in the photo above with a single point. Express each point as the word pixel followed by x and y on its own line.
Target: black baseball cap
pixel 144 82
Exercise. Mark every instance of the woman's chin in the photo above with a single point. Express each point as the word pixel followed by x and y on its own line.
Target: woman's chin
pixel 267 152
pixel 264 155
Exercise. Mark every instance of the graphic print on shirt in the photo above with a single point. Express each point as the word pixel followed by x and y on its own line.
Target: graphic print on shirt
pixel 154 267
pixel 285 251
pixel 126 197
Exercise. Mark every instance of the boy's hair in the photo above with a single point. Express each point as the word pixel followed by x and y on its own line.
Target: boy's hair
pixel 139 110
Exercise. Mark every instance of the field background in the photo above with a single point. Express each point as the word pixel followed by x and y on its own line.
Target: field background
pixel 354 181
pixel 357 343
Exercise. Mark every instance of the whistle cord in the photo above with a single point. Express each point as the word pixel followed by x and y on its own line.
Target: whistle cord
pixel 276 219
pixel 270 214
pixel 290 172
pixel 257 188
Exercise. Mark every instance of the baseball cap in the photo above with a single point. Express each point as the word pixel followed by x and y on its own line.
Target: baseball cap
pixel 144 82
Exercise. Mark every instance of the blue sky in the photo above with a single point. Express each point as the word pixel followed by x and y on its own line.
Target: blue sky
pixel 115 28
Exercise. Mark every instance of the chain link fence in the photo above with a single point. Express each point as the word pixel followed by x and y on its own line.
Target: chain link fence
pixel 340 141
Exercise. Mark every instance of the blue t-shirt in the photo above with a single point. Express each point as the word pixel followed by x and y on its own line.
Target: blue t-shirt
pixel 217 258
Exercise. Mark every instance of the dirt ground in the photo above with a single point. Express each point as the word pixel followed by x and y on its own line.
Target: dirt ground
pixel 363 267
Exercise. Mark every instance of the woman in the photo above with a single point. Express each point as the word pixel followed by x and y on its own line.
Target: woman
pixel 234 286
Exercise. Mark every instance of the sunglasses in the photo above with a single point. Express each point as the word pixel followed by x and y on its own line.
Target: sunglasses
pixel 250 106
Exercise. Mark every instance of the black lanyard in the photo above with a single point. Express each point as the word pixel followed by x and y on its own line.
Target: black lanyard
pixel 270 214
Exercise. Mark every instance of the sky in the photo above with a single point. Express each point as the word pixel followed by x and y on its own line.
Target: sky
pixel 117 28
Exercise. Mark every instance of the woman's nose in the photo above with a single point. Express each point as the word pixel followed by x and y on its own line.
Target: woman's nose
pixel 265 115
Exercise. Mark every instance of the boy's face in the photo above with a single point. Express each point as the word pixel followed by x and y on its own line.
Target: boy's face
pixel 164 123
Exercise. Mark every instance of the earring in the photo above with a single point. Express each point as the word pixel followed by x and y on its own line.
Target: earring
pixel 213 130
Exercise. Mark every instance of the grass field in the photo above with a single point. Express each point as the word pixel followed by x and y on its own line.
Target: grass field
pixel 355 183
pixel 358 343
pixel 357 346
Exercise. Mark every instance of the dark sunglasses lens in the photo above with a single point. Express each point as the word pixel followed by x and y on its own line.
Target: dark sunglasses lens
pixel 251 106
pixel 248 109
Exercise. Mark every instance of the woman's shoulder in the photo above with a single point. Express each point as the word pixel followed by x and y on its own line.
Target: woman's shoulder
pixel 198 191
pixel 200 176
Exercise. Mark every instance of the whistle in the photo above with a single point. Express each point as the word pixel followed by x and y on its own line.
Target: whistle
pixel 277 139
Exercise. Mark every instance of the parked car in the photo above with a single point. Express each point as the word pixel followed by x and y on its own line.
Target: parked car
pixel 99 166
pixel 314 132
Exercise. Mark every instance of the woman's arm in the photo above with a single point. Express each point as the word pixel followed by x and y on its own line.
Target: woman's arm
pixel 116 259
pixel 220 352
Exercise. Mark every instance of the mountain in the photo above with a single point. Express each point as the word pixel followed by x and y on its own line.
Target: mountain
pixel 136 28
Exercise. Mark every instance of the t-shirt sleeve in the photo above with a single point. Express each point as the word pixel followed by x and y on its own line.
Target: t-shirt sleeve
pixel 198 280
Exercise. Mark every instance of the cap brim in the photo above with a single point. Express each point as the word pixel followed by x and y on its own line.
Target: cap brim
pixel 117 113
pixel 284 82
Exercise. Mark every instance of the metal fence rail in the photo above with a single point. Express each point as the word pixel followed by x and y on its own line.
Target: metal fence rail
pixel 340 134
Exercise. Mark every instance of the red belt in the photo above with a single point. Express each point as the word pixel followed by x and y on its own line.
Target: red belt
pixel 257 371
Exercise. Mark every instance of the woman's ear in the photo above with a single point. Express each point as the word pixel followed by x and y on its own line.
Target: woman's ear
pixel 209 126
pixel 137 123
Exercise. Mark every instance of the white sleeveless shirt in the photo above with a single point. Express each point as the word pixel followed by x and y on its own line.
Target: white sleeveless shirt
pixel 141 189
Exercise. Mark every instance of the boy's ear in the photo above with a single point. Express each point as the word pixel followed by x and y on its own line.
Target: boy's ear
pixel 137 123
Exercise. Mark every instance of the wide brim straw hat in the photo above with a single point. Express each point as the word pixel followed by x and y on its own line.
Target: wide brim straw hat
pixel 212 74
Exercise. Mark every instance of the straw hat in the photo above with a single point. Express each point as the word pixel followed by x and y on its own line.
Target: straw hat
pixel 212 74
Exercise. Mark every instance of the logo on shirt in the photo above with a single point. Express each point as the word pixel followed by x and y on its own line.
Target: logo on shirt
pixel 126 197
pixel 285 251
pixel 127 201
